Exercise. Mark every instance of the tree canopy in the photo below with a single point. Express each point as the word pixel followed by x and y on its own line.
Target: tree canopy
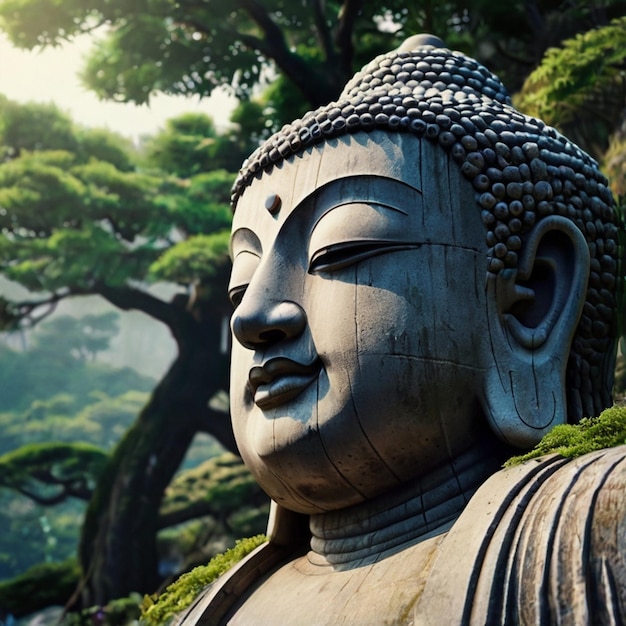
pixel 182 47
pixel 78 218
pixel 82 214
pixel 580 86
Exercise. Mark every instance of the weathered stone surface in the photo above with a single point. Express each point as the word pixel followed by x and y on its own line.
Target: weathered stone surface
pixel 423 279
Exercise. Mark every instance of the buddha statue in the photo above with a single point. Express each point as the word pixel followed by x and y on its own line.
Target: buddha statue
pixel 424 281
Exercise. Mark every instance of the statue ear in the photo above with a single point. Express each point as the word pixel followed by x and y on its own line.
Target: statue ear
pixel 533 313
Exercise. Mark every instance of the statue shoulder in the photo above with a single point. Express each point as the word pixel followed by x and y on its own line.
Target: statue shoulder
pixel 537 542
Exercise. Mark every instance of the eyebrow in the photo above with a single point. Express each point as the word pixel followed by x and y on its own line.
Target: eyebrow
pixel 387 192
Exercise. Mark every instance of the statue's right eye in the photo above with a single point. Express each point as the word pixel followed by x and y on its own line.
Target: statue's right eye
pixel 236 295
pixel 355 231
pixel 337 256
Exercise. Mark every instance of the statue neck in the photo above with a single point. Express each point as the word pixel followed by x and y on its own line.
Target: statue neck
pixel 428 506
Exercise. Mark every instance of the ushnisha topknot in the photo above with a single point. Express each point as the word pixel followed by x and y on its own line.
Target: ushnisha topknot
pixel 521 169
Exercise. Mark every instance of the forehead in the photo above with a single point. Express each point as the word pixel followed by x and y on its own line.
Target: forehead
pixel 408 165
pixel 375 154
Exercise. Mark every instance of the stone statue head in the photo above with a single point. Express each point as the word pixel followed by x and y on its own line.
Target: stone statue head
pixel 411 261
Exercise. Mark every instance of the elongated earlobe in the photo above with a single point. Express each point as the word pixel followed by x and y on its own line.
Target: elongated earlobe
pixel 533 314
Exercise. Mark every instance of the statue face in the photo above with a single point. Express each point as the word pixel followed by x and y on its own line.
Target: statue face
pixel 360 330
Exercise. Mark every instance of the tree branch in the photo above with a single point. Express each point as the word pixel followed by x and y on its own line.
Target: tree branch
pixel 343 34
pixel 129 298
pixel 185 514
pixel 323 33
pixel 25 308
pixel 43 500
pixel 218 424
pixel 72 487
pixel 273 34
pixel 204 508
pixel 274 47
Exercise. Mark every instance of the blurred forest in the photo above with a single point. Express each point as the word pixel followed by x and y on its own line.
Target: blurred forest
pixel 113 481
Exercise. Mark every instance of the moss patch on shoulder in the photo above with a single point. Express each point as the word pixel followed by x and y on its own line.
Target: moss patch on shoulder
pixel 572 440
pixel 181 593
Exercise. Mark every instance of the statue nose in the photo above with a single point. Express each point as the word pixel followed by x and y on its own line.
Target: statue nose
pixel 255 327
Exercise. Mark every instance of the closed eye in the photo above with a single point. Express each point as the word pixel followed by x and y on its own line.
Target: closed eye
pixel 236 295
pixel 337 256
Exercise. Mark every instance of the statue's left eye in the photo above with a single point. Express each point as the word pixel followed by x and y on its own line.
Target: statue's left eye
pixel 337 256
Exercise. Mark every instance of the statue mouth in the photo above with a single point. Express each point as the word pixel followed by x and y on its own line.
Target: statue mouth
pixel 280 380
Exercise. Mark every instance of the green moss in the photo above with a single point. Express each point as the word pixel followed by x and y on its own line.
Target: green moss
pixel 181 593
pixel 572 440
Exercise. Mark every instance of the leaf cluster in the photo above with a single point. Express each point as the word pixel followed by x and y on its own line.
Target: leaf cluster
pixel 81 213
pixel 200 258
pixel 73 211
pixel 580 86
pixel 191 48
pixel 48 473
pixel 43 585
pixel 220 487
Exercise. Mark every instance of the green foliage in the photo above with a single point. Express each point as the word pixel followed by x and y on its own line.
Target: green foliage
pixel 78 218
pixel 102 145
pixel 619 385
pixel 70 218
pixel 221 487
pixel 81 338
pixel 119 612
pixel 207 508
pixel 572 440
pixel 196 259
pixel 51 472
pixel 224 481
pixel 185 147
pixel 284 101
pixel 42 585
pixel 180 594
pixel 579 86
pixel 250 118
pixel 53 392
pixel 32 534
pixel 96 418
pixel 52 378
pixel 201 204
pixel 34 126
pixel 190 144
pixel 185 48
pixel 614 165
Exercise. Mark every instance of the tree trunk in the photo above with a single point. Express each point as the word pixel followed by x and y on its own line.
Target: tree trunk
pixel 118 549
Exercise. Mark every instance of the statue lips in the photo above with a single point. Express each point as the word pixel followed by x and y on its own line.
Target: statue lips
pixel 279 380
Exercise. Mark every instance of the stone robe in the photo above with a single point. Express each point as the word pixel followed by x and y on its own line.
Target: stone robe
pixel 540 543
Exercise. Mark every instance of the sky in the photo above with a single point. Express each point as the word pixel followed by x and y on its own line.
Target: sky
pixel 51 76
